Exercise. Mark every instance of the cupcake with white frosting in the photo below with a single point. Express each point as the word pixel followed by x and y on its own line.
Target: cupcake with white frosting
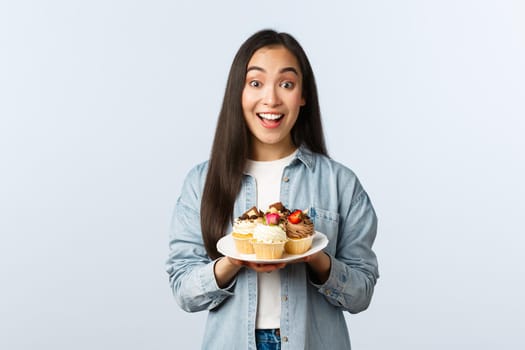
pixel 269 238
pixel 243 229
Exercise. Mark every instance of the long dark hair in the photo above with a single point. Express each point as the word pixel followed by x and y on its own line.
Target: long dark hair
pixel 231 144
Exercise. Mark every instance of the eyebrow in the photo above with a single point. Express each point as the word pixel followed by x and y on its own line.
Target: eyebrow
pixel 282 70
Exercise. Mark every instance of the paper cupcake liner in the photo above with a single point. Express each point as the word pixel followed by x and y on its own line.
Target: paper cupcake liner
pixel 268 250
pixel 243 245
pixel 298 246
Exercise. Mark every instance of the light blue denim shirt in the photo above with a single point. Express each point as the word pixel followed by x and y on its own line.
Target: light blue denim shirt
pixel 311 315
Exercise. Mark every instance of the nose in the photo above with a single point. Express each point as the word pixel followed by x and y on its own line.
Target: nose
pixel 271 96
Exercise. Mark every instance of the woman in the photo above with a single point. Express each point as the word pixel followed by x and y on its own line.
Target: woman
pixel 269 147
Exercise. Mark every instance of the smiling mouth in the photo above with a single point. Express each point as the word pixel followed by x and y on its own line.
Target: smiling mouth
pixel 270 116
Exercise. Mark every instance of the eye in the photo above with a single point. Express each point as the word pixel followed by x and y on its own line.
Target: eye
pixel 287 85
pixel 254 83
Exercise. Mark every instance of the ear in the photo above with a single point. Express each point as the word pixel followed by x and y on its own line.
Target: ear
pixel 303 101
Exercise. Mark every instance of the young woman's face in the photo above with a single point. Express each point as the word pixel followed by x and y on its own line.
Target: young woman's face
pixel 271 100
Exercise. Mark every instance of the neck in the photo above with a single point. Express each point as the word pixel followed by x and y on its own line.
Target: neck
pixel 267 152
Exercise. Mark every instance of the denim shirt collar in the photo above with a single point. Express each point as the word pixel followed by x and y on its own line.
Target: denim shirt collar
pixel 306 156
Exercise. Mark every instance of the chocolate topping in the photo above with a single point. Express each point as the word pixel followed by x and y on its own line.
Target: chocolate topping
pixel 301 230
pixel 278 205
pixel 251 214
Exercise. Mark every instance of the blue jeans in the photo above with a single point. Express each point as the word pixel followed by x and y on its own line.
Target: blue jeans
pixel 268 339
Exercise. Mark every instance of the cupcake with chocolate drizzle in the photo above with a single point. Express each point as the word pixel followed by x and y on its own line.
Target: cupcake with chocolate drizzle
pixel 243 228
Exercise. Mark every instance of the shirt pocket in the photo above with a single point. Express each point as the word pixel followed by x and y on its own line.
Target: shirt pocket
pixel 326 222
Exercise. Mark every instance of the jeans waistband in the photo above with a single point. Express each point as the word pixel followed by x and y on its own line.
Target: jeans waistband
pixel 268 335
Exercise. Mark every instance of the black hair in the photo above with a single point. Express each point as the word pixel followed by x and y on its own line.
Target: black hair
pixel 231 144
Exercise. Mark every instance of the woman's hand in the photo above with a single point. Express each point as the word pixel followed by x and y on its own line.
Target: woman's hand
pixel 257 267
pixel 225 270
pixel 319 264
pixel 227 267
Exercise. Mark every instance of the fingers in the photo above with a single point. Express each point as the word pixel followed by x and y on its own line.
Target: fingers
pixel 236 262
pixel 268 267
pixel 301 260
pixel 264 267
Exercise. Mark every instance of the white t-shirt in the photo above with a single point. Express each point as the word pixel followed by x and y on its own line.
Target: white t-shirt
pixel 268 177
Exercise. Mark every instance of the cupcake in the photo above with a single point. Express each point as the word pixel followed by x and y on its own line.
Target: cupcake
pixel 269 238
pixel 243 228
pixel 299 231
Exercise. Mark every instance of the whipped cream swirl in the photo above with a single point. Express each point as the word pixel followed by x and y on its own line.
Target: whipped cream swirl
pixel 269 234
pixel 244 227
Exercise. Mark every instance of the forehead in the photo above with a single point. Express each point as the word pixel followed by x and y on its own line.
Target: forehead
pixel 273 59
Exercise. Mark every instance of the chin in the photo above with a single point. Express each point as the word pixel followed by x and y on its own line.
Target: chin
pixel 270 140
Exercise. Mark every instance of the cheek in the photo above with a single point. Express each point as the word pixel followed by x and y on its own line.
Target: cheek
pixel 298 102
pixel 243 99
pixel 247 100
pixel 297 98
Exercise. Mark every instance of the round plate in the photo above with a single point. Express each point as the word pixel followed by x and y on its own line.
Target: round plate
pixel 226 246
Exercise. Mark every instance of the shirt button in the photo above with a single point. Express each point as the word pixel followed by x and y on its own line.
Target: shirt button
pixel 285 297
pixel 286 179
pixel 284 339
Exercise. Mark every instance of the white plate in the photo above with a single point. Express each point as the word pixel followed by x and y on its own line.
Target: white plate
pixel 226 246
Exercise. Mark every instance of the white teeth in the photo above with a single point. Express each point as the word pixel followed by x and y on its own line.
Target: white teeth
pixel 270 116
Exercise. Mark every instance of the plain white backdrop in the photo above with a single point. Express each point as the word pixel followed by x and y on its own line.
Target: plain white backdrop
pixel 105 105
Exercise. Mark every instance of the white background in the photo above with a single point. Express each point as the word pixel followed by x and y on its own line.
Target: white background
pixel 105 106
